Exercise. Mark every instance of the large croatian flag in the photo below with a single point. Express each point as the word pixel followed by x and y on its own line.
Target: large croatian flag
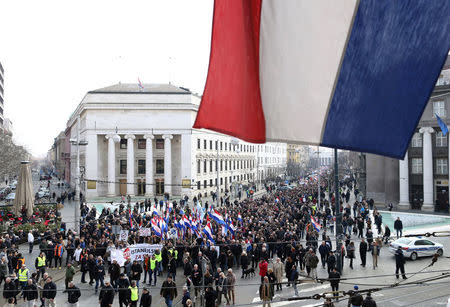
pixel 349 74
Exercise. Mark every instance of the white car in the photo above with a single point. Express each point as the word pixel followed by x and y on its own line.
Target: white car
pixel 415 247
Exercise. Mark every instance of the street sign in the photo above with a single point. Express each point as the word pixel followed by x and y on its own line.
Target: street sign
pixel 186 183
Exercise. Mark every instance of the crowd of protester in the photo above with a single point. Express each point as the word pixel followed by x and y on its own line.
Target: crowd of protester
pixel 274 237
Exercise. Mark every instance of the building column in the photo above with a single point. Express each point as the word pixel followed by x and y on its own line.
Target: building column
pixel 91 165
pixel 112 138
pixel 428 203
pixel 168 163
pixel 404 183
pixel 149 164
pixel 130 164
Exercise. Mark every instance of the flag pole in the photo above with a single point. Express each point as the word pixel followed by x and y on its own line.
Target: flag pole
pixel 338 215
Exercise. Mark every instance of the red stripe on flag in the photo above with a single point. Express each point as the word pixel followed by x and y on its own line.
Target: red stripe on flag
pixel 231 102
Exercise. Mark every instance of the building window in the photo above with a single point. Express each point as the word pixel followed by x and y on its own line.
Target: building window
pixel 221 165
pixel 205 185
pixel 221 181
pixel 441 140
pixel 416 166
pixel 210 183
pixel 215 182
pixel 159 144
pixel 123 166
pixel 210 166
pixel 198 185
pixel 416 140
pixel 198 143
pixel 217 142
pixel 441 167
pixel 160 166
pixel 141 143
pixel 123 144
pixel 198 167
pixel 204 144
pixel 141 166
pixel 226 165
pixel 439 109
pixel 226 146
pixel 210 145
pixel 220 145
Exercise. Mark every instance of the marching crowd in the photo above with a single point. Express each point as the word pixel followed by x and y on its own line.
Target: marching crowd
pixel 280 236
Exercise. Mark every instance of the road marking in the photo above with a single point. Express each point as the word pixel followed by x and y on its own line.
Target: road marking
pixel 315 288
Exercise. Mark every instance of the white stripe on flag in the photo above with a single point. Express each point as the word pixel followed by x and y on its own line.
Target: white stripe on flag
pixel 301 45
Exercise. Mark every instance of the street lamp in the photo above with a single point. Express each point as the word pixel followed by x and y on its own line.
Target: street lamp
pixel 77 142
pixel 318 174
pixel 234 142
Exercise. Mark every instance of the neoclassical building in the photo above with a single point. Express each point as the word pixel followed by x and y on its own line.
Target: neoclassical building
pixel 140 141
pixel 422 177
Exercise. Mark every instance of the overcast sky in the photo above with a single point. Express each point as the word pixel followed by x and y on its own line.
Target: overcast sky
pixel 53 52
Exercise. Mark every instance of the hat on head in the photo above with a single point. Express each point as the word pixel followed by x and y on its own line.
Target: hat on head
pixel 355 287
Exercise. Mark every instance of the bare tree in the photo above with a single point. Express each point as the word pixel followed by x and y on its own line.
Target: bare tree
pixel 10 157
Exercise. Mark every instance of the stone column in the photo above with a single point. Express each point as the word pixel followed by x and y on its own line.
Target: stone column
pixel 168 163
pixel 130 164
pixel 404 183
pixel 149 164
pixel 428 203
pixel 112 139
pixel 91 164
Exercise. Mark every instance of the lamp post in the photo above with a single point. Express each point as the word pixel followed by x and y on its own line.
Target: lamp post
pixel 235 143
pixel 78 143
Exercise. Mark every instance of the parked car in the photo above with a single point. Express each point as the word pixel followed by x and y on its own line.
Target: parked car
pixel 11 196
pixel 415 247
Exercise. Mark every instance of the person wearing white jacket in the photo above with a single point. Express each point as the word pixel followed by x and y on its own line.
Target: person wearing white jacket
pixel 77 254
pixel 31 241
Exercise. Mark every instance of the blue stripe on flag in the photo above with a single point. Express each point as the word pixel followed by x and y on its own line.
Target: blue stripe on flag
pixel 393 58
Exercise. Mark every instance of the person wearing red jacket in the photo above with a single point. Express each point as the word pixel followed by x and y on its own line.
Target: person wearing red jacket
pixel 263 267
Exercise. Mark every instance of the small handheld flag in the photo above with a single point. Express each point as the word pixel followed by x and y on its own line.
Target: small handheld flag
pixel 441 123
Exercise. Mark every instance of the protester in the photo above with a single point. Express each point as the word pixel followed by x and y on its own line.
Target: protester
pixel 73 294
pixel 169 291
pixel 106 297
pixel 49 293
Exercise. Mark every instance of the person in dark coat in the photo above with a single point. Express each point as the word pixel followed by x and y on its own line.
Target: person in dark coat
pixel 30 292
pixel 172 267
pixel 146 298
pixel 334 278
pixel 169 290
pixel 136 271
pixel 368 301
pixel 210 297
pixel 399 263
pixel 114 272
pixel 363 252
pixel 106 297
pixel 398 226
pixel 331 261
pixel 123 284
pixel 9 290
pixel 49 291
pixel 73 293
pixel 356 298
pixel 244 263
pixel 324 249
pixel 387 234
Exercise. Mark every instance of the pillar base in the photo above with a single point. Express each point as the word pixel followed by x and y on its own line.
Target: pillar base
pixel 404 205
pixel 111 195
pixel 428 207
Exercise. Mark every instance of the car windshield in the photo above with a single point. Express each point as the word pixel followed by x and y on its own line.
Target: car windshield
pixel 403 241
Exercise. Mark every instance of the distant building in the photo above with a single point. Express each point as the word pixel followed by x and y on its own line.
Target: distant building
pixel 423 176
pixel 2 96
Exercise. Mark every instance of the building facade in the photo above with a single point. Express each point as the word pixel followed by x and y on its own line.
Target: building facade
pixel 2 96
pixel 140 141
pixel 422 178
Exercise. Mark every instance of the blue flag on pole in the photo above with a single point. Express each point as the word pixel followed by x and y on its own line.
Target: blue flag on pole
pixel 443 126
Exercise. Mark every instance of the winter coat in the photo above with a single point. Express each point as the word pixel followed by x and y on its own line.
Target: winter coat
pixel 278 271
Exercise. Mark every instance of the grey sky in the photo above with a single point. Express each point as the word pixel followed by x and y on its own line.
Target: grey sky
pixel 54 52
